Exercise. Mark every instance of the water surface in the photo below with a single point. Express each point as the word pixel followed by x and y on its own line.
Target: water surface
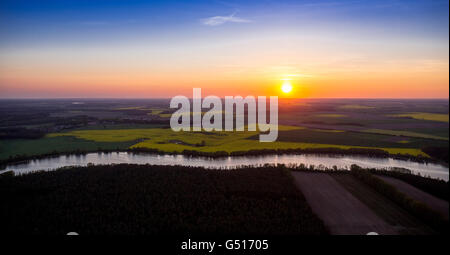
pixel 51 163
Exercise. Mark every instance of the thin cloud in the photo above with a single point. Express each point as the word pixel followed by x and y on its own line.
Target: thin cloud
pixel 219 20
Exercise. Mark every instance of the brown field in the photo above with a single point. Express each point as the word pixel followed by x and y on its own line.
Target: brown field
pixel 341 212
pixel 348 207
pixel 382 206
pixel 437 204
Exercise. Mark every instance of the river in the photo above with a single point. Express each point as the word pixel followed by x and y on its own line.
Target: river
pixel 52 163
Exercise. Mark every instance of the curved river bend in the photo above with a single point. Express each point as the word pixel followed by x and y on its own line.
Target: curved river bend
pixel 51 163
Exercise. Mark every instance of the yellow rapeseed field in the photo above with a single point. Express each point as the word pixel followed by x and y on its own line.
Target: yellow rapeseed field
pixel 166 140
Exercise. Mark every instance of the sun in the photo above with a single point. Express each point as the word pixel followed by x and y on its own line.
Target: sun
pixel 286 87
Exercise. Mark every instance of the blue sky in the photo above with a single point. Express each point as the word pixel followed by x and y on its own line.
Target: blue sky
pixel 241 42
pixel 35 22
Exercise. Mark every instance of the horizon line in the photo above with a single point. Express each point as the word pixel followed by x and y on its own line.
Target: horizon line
pixel 146 98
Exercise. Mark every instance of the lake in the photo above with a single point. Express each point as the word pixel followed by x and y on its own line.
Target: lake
pixel 433 170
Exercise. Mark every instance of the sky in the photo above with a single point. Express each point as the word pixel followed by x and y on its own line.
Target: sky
pixel 155 49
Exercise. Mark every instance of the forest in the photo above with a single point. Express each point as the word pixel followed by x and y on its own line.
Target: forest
pixel 147 199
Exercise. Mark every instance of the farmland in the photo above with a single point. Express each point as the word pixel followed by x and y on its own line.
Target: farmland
pixel 405 134
pixel 386 209
pixel 46 145
pixel 439 205
pixel 425 116
pixel 331 202
pixel 169 141
pixel 35 127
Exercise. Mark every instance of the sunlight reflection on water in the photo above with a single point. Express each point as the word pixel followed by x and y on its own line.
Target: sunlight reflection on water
pixel 432 170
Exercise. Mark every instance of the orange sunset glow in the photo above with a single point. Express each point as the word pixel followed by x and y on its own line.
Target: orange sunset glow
pixel 52 81
pixel 243 56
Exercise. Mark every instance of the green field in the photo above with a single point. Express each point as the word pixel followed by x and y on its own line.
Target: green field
pixel 149 111
pixel 353 139
pixel 424 116
pixel 31 147
pixel 405 133
pixel 289 138
pixel 121 126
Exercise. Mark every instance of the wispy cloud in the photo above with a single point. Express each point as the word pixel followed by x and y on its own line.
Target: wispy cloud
pixel 219 20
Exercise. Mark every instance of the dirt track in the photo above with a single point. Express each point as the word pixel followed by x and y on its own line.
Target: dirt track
pixel 341 212
pixel 437 204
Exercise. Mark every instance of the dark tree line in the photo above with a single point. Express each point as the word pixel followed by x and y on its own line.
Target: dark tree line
pixel 146 199
pixel 440 153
